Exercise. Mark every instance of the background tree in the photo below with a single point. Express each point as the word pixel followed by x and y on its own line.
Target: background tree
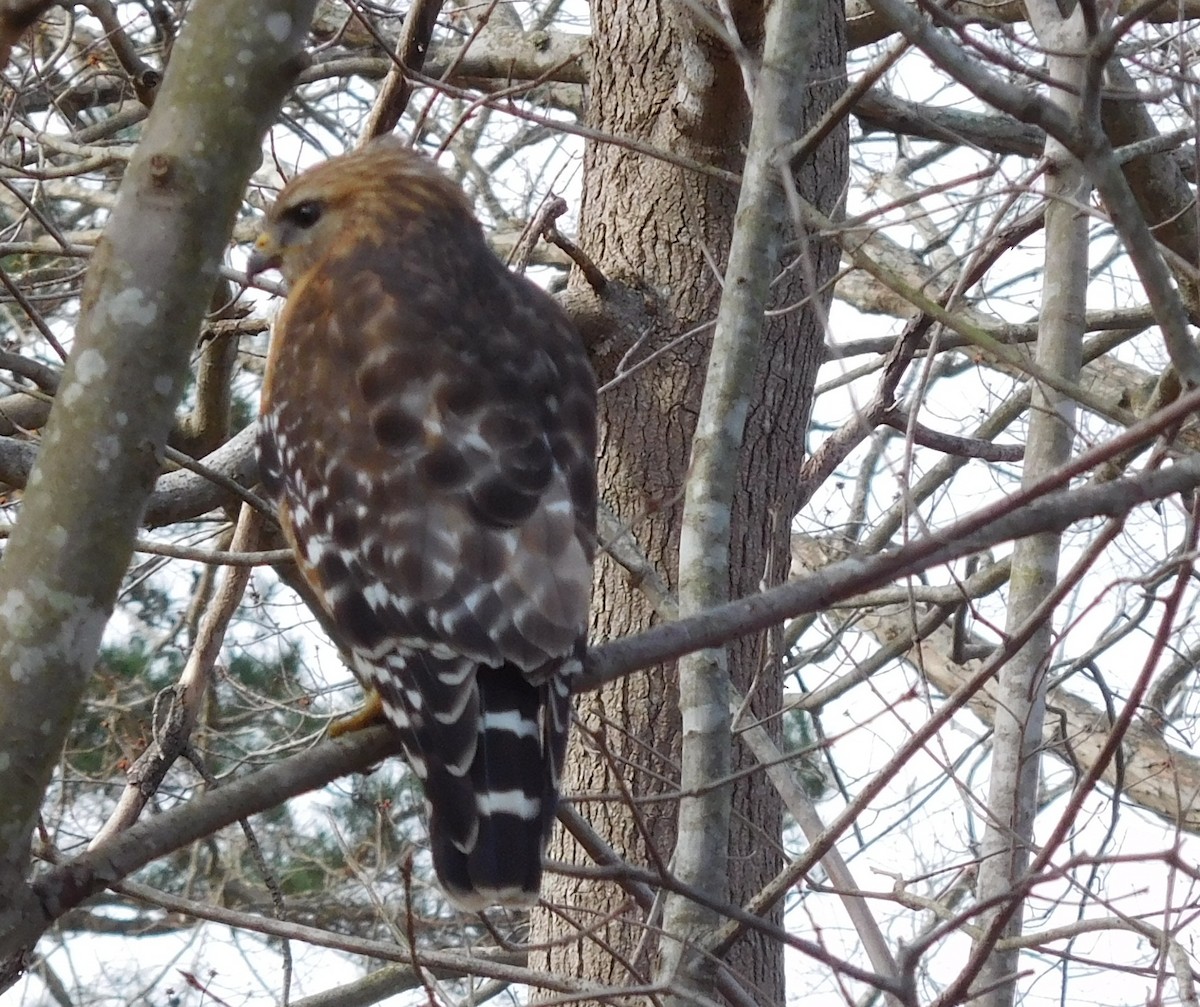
pixel 662 232
pixel 834 789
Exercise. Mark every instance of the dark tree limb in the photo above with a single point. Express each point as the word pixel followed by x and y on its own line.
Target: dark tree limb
pixel 15 17
pixel 411 49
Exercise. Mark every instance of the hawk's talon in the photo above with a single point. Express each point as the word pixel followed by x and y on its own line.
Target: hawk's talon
pixel 371 712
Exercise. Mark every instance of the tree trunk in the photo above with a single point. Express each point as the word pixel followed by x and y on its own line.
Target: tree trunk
pixel 1021 686
pixel 661 232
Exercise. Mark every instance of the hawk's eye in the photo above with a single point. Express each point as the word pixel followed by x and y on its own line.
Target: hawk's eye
pixel 305 214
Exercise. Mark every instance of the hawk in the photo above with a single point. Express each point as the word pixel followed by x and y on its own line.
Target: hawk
pixel 428 434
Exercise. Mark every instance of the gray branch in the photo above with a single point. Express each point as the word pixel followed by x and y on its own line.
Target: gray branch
pixel 701 852
pixel 150 279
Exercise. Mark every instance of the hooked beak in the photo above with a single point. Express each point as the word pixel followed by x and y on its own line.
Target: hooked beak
pixel 265 256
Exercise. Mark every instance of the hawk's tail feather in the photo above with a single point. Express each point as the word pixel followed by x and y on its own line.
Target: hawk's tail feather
pixel 522 736
pixel 504 868
pixel 439 751
pixel 488 745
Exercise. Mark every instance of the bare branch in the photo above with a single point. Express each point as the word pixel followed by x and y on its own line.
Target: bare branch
pixel 147 288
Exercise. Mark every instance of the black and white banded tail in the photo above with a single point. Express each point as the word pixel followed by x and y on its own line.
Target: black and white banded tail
pixel 488 746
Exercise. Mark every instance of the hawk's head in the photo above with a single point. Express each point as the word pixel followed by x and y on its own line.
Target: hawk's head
pixel 371 195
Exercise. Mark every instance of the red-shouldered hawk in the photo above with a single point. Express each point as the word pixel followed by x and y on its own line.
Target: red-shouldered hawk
pixel 428 431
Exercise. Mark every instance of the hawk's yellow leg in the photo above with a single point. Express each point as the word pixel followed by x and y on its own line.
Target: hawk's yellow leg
pixel 371 712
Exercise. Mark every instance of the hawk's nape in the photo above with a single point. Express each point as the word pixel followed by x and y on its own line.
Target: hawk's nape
pixel 428 432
